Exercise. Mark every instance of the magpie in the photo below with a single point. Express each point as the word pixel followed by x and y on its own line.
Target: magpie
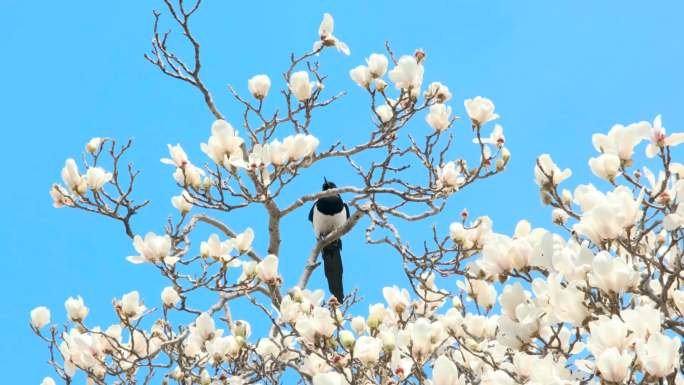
pixel 326 215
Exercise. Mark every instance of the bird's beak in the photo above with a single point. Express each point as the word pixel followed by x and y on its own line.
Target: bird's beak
pixel 325 180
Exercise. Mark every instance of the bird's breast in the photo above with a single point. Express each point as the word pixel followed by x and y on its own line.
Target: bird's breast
pixel 324 224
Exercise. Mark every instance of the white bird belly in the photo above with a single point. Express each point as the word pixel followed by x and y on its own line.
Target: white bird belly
pixel 325 224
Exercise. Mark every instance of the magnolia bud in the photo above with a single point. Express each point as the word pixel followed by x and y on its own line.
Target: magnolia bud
pixel 205 378
pixel 358 324
pixel 380 85
pixel 388 341
pixel 259 85
pixel 566 197
pixel 499 164
pixel 347 339
pixel 93 145
pixel 40 317
pixel 505 154
pixel 169 296
pixel 241 329
pixel 420 55
pixel 456 303
pixel 207 183
pixel 373 322
pixel 559 216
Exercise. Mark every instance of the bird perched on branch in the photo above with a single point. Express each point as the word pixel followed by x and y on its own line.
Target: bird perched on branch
pixel 327 215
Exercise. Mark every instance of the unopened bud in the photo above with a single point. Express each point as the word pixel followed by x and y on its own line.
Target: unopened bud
pixel 505 154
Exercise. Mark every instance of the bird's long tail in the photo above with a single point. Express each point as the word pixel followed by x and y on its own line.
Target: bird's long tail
pixel 332 263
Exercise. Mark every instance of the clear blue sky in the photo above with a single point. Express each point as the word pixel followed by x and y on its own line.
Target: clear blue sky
pixel 73 70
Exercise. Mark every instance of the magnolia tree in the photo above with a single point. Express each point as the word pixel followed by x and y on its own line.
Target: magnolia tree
pixel 596 300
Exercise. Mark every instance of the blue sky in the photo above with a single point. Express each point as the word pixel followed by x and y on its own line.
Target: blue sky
pixel 557 71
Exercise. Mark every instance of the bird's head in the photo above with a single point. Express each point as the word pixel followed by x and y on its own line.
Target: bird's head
pixel 327 185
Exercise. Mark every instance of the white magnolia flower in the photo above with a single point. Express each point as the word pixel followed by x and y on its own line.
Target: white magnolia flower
pixel 367 349
pixel 408 73
pixel 559 216
pixel 153 248
pixel 330 378
pixel 606 217
pixel 621 140
pixel 96 177
pixel 169 296
pixel 48 381
pixel 612 275
pixel 60 197
pixel 131 305
pixel 318 323
pixel 300 85
pixel 327 39
pixel 243 241
pixel 384 112
pixel 214 248
pixel 241 329
pixel 501 254
pixel 259 158
pixel 481 291
pixel 361 76
pixel 259 85
pixel 449 176
pixel 660 355
pixel 178 156
pixel 204 327
pixel 659 138
pixel 358 324
pixel 400 365
pixel 278 153
pixel 182 202
pixel 190 175
pixel 300 145
pixel 614 365
pixel 608 332
pixel 445 372
pixel 605 166
pixel 480 110
pixel 249 271
pixel 438 91
pixel 267 270
pixel 223 143
pixel 398 300
pixel 377 65
pixel 76 309
pixel 457 232
pixel 546 171
pixel 439 117
pixel 72 179
pixel 496 138
pixel 347 339
pixel 40 317
pixel 93 145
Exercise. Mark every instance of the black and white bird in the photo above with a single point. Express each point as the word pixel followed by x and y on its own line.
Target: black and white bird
pixel 328 214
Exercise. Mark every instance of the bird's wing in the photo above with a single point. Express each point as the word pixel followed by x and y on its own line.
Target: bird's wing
pixel 311 212
pixel 346 209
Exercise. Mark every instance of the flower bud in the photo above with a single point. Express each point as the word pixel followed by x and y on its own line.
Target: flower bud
pixel 170 297
pixel 499 164
pixel 93 145
pixel 347 339
pixel 259 85
pixel 40 317
pixel 505 154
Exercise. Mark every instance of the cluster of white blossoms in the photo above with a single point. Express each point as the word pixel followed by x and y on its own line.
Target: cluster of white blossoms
pixel 407 76
pixel 76 185
pixel 602 304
